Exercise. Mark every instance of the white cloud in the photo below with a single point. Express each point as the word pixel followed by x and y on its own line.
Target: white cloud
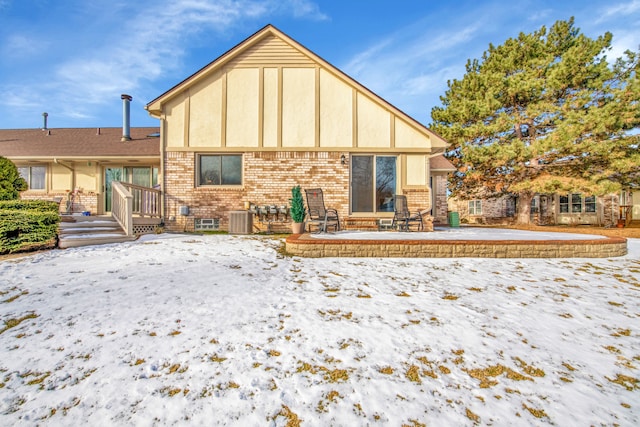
pixel 362 61
pixel 139 43
pixel 17 97
pixel 19 46
pixel 410 68
pixel 432 82
pixel 539 15
pixel 400 58
pixel 305 8
pixel 623 40
pixel 619 10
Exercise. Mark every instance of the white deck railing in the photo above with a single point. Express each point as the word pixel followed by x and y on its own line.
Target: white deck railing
pixel 146 201
pixel 122 207
pixel 128 200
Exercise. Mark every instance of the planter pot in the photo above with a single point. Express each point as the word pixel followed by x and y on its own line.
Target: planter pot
pixel 621 223
pixel 297 227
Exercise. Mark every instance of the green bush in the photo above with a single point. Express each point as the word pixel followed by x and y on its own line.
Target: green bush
pixel 29 205
pixel 27 225
pixel 11 183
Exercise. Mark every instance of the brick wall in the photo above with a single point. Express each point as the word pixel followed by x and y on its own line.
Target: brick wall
pixel 493 210
pixel 268 179
pixel 302 245
pixel 610 209
pixel 83 201
pixel 418 199
pixel 439 211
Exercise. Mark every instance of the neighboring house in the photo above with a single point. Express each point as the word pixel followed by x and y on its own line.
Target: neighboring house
pixel 78 166
pixel 268 115
pixel 498 210
pixel 554 209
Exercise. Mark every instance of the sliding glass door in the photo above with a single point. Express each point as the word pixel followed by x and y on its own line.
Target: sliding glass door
pixel 373 183
pixel 110 175
pixel 145 176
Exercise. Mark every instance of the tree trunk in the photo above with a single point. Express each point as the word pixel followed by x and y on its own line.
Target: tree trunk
pixel 523 208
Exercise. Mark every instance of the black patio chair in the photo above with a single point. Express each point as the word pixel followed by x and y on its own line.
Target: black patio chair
pixel 402 218
pixel 317 214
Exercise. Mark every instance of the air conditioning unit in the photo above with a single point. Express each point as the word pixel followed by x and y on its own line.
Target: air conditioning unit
pixel 240 222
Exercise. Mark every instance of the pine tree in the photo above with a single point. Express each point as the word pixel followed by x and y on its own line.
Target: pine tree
pixel 543 113
pixel 11 183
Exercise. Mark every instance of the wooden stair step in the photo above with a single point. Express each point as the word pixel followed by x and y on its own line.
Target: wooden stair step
pixel 77 240
pixel 76 231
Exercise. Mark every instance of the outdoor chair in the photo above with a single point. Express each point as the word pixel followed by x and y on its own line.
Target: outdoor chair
pixel 317 214
pixel 402 218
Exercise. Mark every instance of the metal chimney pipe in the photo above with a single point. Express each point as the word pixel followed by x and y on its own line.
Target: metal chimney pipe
pixel 126 129
pixel 45 115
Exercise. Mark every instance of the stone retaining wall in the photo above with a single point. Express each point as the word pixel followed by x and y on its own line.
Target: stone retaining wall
pixel 307 246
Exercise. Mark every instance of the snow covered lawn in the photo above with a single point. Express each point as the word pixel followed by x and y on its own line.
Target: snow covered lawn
pixel 227 330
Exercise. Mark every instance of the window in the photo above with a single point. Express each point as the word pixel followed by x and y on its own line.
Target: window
pixel 590 204
pixel 475 207
pixel 220 169
pixel 564 204
pixel 373 183
pixel 34 175
pixel 576 203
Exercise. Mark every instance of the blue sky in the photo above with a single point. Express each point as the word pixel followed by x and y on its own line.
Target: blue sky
pixel 73 58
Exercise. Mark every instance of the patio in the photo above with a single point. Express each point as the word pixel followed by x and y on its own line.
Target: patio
pixel 465 242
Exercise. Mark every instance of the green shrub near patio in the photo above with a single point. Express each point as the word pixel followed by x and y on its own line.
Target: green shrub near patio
pixel 27 225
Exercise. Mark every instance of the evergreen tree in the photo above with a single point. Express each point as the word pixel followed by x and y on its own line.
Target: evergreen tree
pixel 543 113
pixel 297 205
pixel 11 183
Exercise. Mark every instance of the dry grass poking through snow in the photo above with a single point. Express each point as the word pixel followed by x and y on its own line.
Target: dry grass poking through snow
pixel 230 330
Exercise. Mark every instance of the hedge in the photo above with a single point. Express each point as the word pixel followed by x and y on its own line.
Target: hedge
pixel 29 205
pixel 28 225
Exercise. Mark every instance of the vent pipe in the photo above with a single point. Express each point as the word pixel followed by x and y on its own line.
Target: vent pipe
pixel 126 130
pixel 44 116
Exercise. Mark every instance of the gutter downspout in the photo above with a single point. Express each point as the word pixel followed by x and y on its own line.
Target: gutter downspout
pixel 163 187
pixel 161 170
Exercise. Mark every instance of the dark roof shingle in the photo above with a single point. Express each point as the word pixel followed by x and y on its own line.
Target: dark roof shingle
pixel 440 163
pixel 78 143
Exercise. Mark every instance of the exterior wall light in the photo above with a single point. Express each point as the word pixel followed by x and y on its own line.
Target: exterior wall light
pixel 343 159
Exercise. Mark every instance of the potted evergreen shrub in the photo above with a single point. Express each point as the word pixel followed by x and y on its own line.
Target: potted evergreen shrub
pixel 297 210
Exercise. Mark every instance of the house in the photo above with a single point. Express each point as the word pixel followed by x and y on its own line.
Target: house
pixel 78 166
pixel 270 114
pixel 484 210
pixel 554 209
